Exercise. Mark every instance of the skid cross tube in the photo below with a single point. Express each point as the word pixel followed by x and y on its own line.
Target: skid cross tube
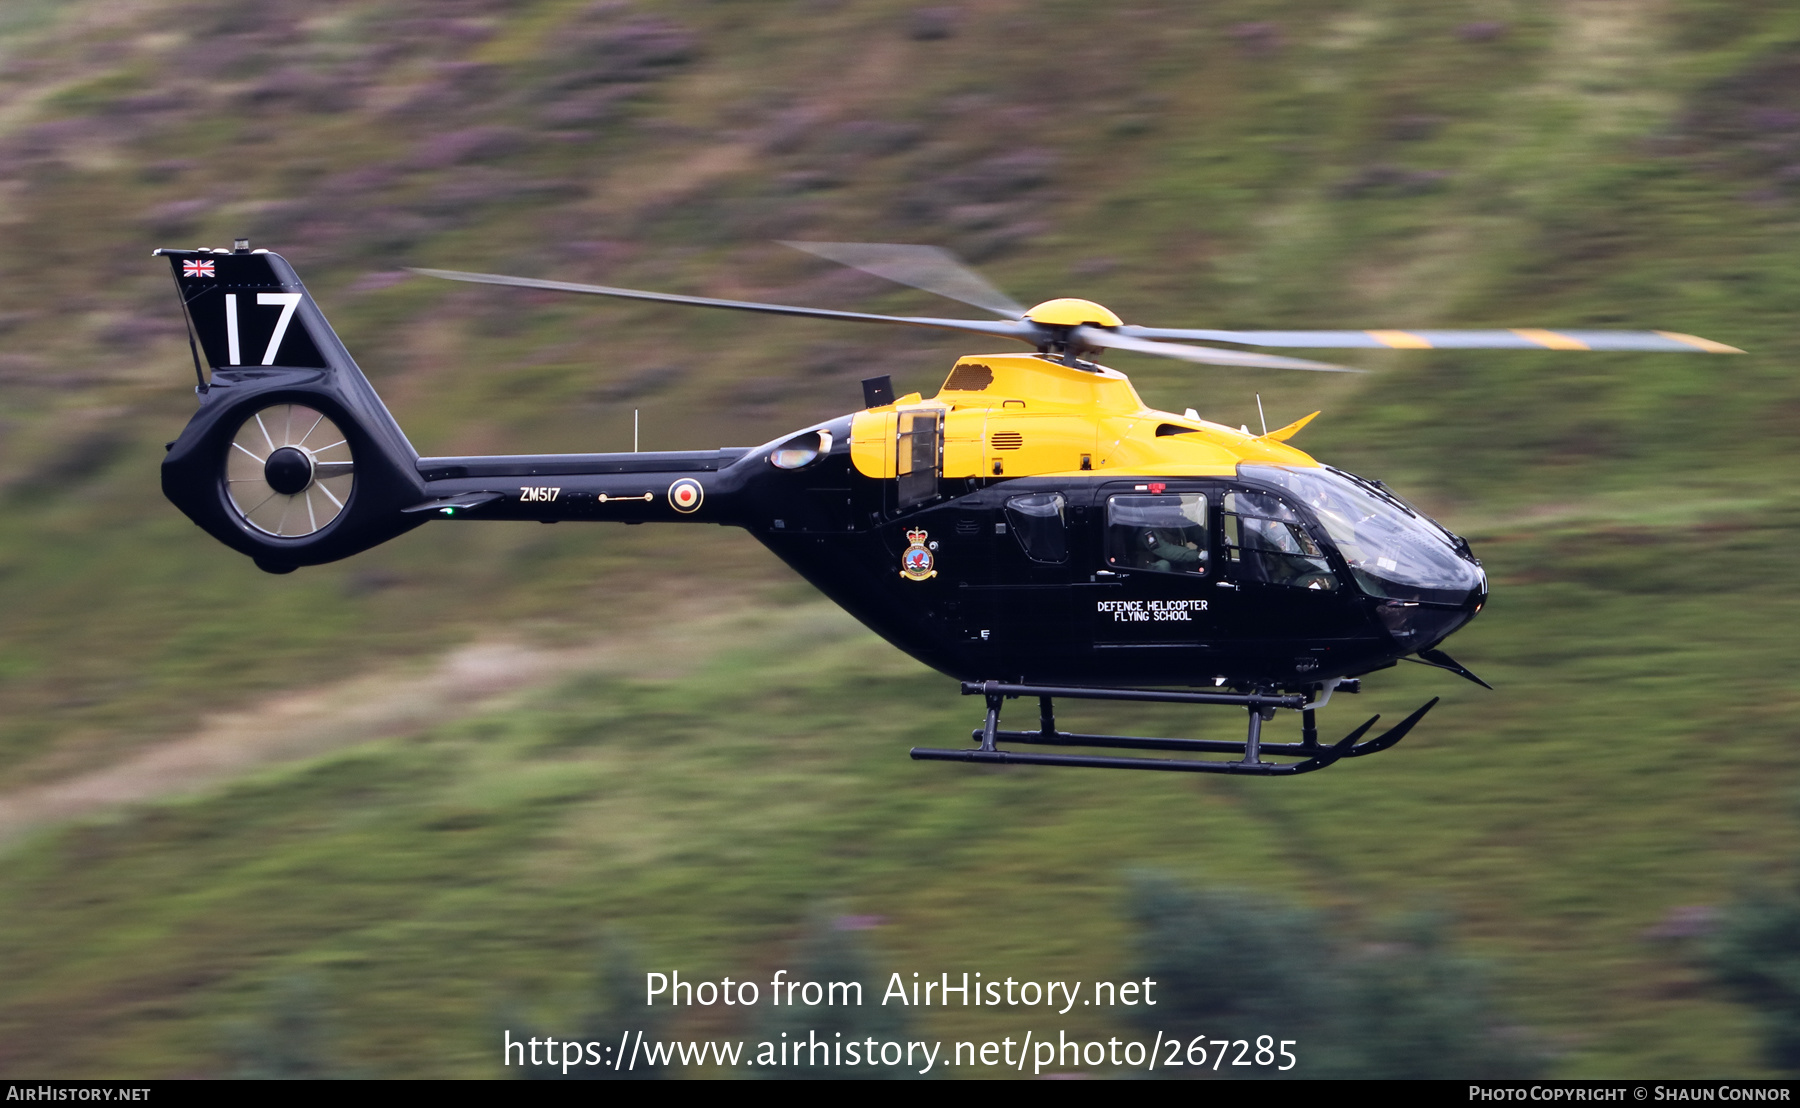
pixel 1260 707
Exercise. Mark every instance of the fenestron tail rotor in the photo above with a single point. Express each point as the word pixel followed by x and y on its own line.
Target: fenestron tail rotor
pixel 289 471
pixel 1072 328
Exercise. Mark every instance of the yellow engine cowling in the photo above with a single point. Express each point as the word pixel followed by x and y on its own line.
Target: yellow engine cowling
pixel 1022 415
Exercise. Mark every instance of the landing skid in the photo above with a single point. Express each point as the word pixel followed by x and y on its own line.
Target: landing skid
pixel 1260 706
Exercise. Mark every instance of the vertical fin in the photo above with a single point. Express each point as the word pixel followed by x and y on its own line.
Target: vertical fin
pixel 241 308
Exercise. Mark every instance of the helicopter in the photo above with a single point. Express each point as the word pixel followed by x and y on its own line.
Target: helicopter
pixel 1034 530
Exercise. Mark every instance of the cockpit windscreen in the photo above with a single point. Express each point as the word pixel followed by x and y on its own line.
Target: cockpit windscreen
pixel 1393 550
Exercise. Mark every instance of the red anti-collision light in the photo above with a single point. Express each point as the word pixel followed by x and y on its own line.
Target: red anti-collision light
pixel 1157 486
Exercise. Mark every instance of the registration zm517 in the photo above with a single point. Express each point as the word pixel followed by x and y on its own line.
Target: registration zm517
pixel 1240 1052
pixel 544 494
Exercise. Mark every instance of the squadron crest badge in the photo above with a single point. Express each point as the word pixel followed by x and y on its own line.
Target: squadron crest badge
pixel 917 563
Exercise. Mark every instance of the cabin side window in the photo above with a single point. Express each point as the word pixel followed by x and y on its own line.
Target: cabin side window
pixel 1040 523
pixel 1266 542
pixel 1163 533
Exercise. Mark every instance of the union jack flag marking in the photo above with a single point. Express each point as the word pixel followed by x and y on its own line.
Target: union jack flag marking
pixel 197 269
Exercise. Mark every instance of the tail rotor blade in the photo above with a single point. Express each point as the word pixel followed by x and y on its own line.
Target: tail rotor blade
pixel 923 267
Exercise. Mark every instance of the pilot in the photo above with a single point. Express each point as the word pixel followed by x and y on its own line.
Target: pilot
pixel 1280 554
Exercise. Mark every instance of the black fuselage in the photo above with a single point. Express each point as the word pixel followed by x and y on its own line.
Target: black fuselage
pixel 986 608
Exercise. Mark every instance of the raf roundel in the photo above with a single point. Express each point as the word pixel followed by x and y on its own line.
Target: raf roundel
pixel 685 495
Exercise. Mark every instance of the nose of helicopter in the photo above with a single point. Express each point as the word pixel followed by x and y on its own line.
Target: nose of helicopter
pixel 1421 579
pixel 1422 624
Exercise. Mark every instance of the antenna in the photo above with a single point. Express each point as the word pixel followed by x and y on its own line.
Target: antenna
pixel 634 430
pixel 1259 414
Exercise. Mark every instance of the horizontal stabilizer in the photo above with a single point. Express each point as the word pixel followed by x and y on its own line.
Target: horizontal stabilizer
pixel 450 505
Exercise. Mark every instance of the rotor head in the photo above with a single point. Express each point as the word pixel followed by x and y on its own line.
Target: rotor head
pixel 1068 311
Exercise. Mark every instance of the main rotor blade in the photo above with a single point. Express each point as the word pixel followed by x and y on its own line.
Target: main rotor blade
pixel 923 267
pixel 1114 340
pixel 1520 338
pixel 1021 330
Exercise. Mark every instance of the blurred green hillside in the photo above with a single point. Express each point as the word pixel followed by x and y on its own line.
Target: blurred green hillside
pixel 732 755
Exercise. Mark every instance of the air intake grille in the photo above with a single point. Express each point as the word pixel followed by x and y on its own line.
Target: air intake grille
pixel 969 377
pixel 1007 440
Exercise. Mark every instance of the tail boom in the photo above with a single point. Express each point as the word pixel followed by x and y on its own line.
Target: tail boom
pixel 294 460
pixel 662 486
